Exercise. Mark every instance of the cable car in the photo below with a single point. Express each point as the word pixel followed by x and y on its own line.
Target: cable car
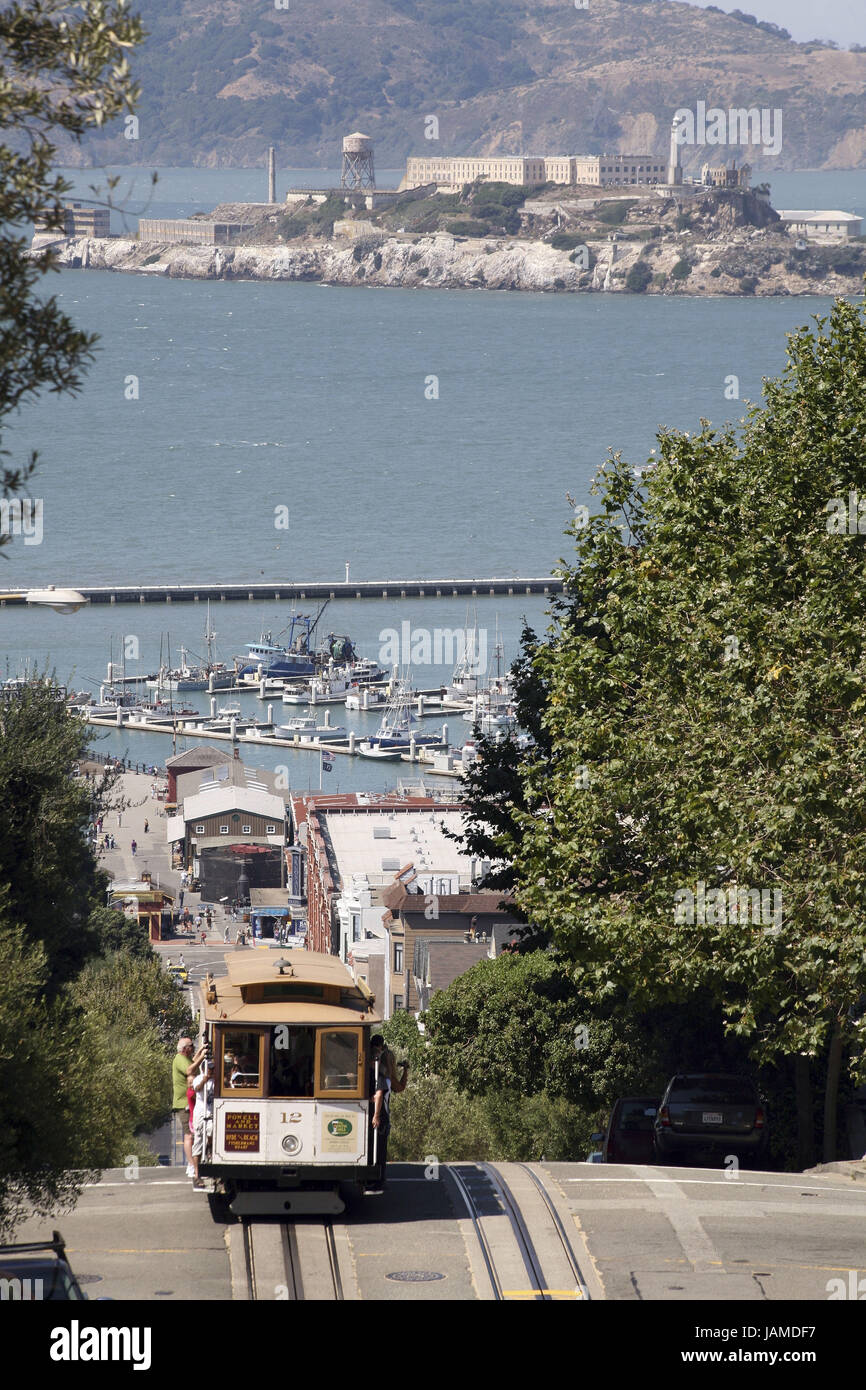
pixel 290 1042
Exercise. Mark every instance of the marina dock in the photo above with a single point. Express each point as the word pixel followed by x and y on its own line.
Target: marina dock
pixel 183 728
pixel 279 590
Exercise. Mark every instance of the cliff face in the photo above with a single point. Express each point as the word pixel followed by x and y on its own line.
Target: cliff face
pixel 724 266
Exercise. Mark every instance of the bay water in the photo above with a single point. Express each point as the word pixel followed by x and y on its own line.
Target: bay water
pixel 244 431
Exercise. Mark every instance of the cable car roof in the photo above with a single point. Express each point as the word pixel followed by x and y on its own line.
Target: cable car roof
pixel 300 987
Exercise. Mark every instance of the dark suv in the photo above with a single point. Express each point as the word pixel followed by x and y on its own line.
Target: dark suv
pixel 38 1270
pixel 629 1135
pixel 710 1114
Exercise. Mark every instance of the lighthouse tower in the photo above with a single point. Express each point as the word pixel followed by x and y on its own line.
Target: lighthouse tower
pixel 675 171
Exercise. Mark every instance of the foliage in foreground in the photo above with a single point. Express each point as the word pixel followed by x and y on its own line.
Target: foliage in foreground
pixel 88 1019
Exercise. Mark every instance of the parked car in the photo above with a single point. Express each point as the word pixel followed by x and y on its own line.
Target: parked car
pixel 710 1114
pixel 37 1271
pixel 629 1134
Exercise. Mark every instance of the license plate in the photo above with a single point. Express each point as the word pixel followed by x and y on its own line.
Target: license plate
pixel 711 1117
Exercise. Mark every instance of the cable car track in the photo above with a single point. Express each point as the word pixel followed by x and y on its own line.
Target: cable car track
pixel 291 1261
pixel 511 1258
pixel 567 1248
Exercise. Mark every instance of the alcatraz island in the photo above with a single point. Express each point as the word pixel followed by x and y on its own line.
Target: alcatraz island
pixel 609 223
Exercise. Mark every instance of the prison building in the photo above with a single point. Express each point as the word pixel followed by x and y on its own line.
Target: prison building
pixel 191 232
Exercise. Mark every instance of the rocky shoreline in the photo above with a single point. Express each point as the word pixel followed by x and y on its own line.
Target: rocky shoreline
pixel 755 263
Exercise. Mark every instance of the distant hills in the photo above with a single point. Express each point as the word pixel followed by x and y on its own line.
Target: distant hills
pixel 220 83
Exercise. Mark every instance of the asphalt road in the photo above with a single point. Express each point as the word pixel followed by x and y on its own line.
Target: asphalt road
pixel 694 1233
pixel 638 1234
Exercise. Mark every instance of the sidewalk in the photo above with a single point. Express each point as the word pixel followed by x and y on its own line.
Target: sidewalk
pixel 153 853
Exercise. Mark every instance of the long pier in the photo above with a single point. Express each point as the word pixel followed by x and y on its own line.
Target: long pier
pixel 314 589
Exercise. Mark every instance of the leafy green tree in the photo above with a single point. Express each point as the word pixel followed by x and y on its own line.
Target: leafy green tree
pixel 508 1024
pixel 49 1124
pixel 47 865
pixel 63 70
pixel 134 1013
pixel 405 1040
pixel 714 692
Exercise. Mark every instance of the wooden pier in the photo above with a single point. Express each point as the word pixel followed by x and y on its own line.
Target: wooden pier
pixel 313 589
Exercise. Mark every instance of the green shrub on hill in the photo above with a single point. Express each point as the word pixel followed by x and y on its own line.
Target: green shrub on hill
pixel 466 227
pixel 566 241
pixel 612 213
pixel 638 277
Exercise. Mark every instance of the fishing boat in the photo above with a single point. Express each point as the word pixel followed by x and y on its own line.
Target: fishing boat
pixel 208 674
pixel 293 661
pixel 327 689
pixel 399 727
pixel 467 677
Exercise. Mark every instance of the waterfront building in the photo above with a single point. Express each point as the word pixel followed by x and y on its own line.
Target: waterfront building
pixel 193 760
pixel 231 820
pixel 606 170
pixel 817 225
pixel 191 231
pixel 81 221
pixel 453 171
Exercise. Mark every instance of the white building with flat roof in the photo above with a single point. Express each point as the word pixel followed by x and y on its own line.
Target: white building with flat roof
pixel 821 225
pixel 377 846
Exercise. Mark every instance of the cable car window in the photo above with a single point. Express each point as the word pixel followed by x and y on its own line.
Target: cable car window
pixel 292 1058
pixel 242 1062
pixel 339 1060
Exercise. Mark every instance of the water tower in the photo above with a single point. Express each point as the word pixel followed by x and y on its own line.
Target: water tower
pixel 358 171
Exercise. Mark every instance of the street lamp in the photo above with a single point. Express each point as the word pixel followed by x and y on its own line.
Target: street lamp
pixel 61 600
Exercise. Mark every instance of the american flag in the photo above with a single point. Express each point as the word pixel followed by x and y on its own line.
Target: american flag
pixel 327 761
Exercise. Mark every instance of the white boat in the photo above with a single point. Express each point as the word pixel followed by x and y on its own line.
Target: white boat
pixel 375 750
pixel 368 698
pixel 327 689
pixel 468 675
pixel 307 727
pixel 400 727
pixel 225 715
pixel 331 687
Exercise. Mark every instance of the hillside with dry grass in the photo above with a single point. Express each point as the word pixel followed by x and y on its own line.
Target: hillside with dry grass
pixel 219 85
